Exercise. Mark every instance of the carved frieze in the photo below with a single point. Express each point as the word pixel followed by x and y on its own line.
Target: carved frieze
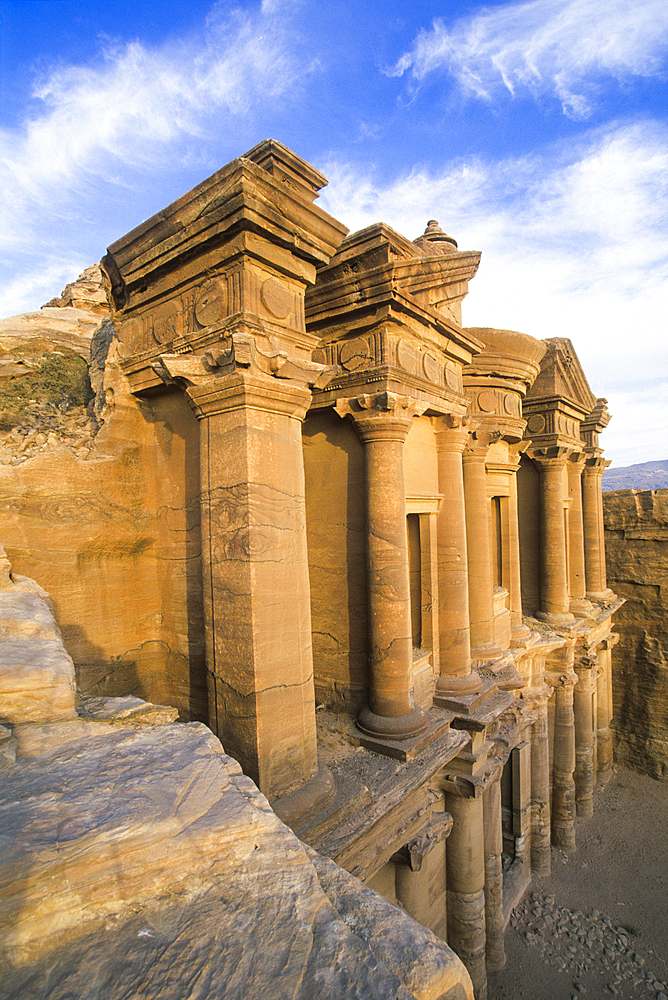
pixel 382 348
pixel 211 302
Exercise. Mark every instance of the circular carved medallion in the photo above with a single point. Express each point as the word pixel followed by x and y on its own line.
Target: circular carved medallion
pixel 536 423
pixel 276 298
pixel 486 401
pixel 406 356
pixel 355 354
pixel 166 322
pixel 211 302
pixel 510 403
pixel 430 367
pixel 452 379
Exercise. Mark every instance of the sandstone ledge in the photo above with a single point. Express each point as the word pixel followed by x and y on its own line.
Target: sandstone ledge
pixel 137 860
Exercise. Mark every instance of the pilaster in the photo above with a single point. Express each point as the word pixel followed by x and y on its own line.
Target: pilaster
pixel 494 920
pixel 540 792
pixel 257 616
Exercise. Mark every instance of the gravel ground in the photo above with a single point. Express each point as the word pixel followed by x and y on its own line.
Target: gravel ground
pixel 598 926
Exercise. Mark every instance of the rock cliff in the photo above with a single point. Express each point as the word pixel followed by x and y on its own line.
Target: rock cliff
pixel 636 545
pixel 83 511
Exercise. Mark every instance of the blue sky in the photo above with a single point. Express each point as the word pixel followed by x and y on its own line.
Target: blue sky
pixel 536 132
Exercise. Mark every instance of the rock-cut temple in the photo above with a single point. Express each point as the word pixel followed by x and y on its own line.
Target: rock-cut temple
pixel 365 542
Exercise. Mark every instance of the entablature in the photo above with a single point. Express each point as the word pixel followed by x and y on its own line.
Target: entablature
pixel 236 251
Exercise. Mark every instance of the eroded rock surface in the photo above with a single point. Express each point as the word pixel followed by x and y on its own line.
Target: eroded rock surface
pixel 636 545
pixel 83 512
pixel 137 860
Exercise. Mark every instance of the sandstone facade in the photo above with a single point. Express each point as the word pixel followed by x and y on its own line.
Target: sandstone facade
pixel 636 542
pixel 365 540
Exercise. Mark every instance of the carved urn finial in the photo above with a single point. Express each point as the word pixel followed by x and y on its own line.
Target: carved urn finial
pixel 434 240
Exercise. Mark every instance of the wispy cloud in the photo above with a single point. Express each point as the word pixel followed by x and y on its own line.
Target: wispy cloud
pixel 575 244
pixel 140 107
pixel 561 48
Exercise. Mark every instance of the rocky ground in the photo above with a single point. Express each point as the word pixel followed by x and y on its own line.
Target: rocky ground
pixel 598 926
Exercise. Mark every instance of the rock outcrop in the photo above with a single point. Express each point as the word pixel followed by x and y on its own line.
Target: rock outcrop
pixel 137 860
pixel 82 513
pixel 636 545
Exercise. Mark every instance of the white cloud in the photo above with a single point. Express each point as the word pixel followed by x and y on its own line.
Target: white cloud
pixel 44 283
pixel 555 47
pixel 574 244
pixel 139 107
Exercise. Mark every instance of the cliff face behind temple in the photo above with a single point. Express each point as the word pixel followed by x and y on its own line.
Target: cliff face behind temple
pixel 636 548
pixel 644 476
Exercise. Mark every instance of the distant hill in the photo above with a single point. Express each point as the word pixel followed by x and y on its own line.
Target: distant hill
pixel 645 476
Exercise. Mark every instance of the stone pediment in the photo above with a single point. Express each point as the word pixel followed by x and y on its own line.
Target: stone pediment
pixel 561 376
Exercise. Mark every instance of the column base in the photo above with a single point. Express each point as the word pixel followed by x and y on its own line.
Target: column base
pixel 554 617
pixel 316 792
pixel 601 595
pixel 582 608
pixel 447 686
pixel 400 727
pixel 406 747
pixel 486 652
pixel 519 634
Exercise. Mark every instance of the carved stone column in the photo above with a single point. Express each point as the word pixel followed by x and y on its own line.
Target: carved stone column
pixel 481 600
pixel 494 923
pixel 563 763
pixel 257 614
pixel 584 775
pixel 603 716
pixel 456 677
pixel 576 550
pixel 592 504
pixel 465 861
pixel 519 630
pixel 554 601
pixel 382 421
pixel 540 793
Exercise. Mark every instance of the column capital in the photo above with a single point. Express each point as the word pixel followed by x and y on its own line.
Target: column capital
pixel 551 457
pixel 595 465
pixel 239 353
pixel 415 851
pixel 479 443
pixel 561 681
pixel 451 432
pixel 515 452
pixel 385 415
pixel 237 373
pixel 576 463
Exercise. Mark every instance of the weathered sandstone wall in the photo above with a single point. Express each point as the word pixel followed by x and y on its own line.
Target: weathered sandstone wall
pixel 636 545
pixel 116 546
